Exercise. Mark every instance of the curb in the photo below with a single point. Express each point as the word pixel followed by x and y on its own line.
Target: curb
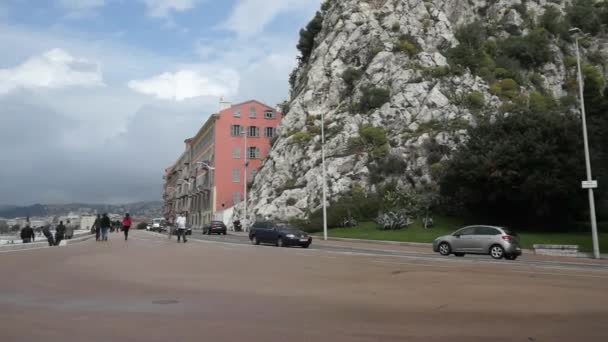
pixel 380 242
pixel 45 244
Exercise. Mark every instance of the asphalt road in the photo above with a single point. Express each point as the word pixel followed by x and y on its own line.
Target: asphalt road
pixel 422 253
pixel 153 289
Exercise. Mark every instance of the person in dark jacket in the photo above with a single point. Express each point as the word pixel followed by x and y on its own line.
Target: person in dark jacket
pixel 126 225
pixel 97 227
pixel 27 234
pixel 59 233
pixel 46 231
pixel 105 226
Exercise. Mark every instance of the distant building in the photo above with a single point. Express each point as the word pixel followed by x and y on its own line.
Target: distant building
pixel 210 175
pixel 86 222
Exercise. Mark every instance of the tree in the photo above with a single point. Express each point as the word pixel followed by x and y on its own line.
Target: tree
pixel 525 168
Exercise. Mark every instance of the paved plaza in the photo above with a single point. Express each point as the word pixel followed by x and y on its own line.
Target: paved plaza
pixel 222 289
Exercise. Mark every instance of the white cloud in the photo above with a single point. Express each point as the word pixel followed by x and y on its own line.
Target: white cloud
pixel 189 83
pixel 250 17
pixel 162 8
pixel 54 69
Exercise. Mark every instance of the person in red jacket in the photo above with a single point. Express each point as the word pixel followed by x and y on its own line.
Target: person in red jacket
pixel 126 224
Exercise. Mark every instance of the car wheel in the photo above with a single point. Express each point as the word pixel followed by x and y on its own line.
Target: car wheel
pixel 280 242
pixel 445 249
pixel 510 257
pixel 459 254
pixel 225 233
pixel 254 240
pixel 306 245
pixel 497 252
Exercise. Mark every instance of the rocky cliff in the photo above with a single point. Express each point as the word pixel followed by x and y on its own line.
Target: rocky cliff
pixel 394 103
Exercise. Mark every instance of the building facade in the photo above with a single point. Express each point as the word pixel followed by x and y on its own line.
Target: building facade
pixel 219 161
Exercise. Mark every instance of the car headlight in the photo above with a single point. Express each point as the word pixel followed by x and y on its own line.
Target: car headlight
pixel 291 236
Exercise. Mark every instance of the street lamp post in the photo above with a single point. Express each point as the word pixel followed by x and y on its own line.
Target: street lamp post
pixel 245 227
pixel 324 176
pixel 596 247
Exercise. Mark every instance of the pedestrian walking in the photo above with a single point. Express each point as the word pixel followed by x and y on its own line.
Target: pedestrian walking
pixel 97 227
pixel 59 233
pixel 27 234
pixel 46 231
pixel 181 227
pixel 126 225
pixel 105 226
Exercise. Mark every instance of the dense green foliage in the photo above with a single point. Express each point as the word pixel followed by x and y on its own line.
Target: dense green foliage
pixel 373 98
pixel 371 140
pixel 308 35
pixel 350 77
pixel 525 166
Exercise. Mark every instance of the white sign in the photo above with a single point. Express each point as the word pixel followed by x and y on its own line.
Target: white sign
pixel 590 184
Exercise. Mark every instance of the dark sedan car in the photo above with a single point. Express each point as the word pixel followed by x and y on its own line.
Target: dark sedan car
pixel 215 227
pixel 278 234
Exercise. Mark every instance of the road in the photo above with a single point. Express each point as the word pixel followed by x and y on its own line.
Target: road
pixel 153 289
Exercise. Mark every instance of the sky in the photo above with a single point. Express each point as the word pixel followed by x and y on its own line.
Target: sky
pixel 97 96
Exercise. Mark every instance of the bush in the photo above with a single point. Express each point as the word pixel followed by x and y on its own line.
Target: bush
pixel 475 100
pixel 300 137
pixel 142 225
pixel 373 98
pixel 506 88
pixel 552 21
pixel 585 15
pixel 532 50
pixel 291 201
pixel 371 140
pixel 408 45
pixel 350 77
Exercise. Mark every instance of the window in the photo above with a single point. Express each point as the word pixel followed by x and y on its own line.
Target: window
pixel 236 152
pixel 486 231
pixel 269 114
pixel 237 113
pixel 235 130
pixel 269 132
pixel 254 131
pixel 252 112
pixel 252 173
pixel 466 231
pixel 254 152
pixel 236 175
pixel 236 197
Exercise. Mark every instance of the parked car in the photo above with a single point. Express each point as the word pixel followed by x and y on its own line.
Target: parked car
pixel 215 227
pixel 498 242
pixel 158 225
pixel 280 235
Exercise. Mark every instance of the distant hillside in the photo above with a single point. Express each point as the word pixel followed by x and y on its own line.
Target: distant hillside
pixel 139 209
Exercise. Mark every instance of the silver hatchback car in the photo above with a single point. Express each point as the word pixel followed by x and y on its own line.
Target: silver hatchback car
pixel 499 242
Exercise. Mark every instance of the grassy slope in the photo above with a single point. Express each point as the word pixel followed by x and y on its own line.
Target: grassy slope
pixel 416 233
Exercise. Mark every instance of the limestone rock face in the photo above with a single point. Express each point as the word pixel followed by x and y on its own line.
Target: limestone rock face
pixel 371 38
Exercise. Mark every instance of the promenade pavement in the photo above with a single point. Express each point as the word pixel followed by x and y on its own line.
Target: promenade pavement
pixel 151 288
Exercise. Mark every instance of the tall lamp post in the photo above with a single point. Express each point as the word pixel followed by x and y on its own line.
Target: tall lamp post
pixel 319 94
pixel 590 184
pixel 244 133
pixel 324 176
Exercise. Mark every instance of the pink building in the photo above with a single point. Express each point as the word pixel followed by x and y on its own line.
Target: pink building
pixel 212 169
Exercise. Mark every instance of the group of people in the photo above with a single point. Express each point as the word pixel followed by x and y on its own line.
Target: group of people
pixel 61 232
pixel 103 224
